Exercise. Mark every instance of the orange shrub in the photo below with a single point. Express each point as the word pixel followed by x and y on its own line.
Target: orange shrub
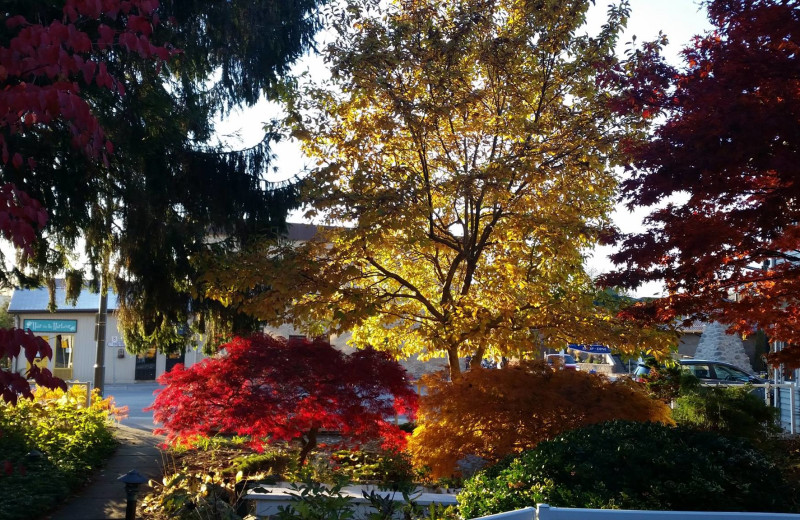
pixel 494 413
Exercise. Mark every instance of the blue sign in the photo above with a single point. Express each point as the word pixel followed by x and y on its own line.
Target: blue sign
pixel 50 325
pixel 592 349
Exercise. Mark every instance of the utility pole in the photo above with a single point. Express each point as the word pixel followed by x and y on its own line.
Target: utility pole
pixel 100 333
pixel 102 310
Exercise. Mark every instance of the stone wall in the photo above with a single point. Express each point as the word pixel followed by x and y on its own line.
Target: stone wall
pixel 717 345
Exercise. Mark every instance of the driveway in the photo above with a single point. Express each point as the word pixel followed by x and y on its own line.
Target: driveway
pixel 136 397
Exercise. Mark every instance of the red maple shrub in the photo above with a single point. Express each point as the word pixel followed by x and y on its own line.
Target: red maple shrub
pixel 272 390
pixel 16 342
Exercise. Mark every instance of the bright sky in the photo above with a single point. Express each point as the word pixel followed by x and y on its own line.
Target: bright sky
pixel 680 20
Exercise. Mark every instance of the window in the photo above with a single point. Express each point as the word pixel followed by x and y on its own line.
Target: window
pixel 699 371
pixel 63 351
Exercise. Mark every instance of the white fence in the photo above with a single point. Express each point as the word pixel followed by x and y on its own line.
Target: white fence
pixel 545 512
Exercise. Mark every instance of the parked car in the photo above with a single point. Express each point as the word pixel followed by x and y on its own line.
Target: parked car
pixel 562 361
pixel 710 372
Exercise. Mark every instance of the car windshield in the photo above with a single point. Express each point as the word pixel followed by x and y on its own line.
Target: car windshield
pixel 731 374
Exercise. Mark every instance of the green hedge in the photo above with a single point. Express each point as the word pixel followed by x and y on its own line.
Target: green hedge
pixel 733 411
pixel 71 438
pixel 629 465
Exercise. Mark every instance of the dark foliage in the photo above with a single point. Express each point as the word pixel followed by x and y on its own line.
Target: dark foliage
pixel 719 174
pixel 631 465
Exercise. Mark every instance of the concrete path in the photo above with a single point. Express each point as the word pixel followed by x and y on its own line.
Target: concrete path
pixel 103 498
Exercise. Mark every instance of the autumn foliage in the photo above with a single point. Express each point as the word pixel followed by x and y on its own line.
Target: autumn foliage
pixel 16 342
pixel 44 67
pixel 468 145
pixel 275 390
pixel 720 174
pixel 494 413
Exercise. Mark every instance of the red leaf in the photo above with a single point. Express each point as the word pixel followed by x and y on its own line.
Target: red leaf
pixel 106 38
pixel 16 21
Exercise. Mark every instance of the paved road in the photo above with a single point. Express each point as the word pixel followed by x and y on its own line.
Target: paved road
pixel 136 397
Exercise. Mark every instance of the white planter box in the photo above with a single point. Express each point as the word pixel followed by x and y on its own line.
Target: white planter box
pixel 267 503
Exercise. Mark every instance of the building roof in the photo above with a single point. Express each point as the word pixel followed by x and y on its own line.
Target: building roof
pixel 36 300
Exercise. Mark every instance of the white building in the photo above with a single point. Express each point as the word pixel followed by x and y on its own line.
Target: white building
pixel 70 331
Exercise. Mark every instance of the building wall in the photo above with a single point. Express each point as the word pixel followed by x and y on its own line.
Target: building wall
pixel 120 365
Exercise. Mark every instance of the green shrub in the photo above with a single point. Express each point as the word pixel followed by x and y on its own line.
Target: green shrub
pixel 314 501
pixel 732 410
pixel 630 465
pixel 71 437
pixel 274 463
pixel 667 382
pixel 31 487
pixel 74 437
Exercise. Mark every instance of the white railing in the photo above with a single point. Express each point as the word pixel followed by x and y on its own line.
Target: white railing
pixel 546 512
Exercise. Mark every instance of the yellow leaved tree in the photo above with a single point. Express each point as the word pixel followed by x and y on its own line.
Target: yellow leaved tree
pixel 464 156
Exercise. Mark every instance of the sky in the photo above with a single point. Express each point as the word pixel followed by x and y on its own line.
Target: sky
pixel 680 20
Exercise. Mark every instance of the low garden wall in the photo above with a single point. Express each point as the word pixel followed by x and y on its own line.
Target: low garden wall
pixel 266 501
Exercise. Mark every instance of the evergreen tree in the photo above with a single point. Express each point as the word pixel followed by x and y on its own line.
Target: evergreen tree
pixel 162 187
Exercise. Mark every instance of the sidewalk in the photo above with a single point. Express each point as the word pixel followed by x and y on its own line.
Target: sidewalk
pixel 103 498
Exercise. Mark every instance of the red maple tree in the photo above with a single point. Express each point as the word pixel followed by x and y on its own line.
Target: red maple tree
pixel 43 67
pixel 720 174
pixel 271 390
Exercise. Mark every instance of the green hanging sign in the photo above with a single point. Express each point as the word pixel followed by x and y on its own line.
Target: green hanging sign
pixel 50 325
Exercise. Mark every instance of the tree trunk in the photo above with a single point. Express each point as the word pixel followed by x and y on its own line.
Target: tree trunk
pixel 310 444
pixel 477 358
pixel 455 367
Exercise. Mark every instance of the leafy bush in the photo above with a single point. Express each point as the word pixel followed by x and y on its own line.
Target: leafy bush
pixel 630 465
pixel 22 478
pixel 732 410
pixel 273 390
pixel 186 495
pixel 314 501
pixel 270 463
pixel 70 437
pixel 494 413
pixel 388 468
pixel 667 382
pixel 729 410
